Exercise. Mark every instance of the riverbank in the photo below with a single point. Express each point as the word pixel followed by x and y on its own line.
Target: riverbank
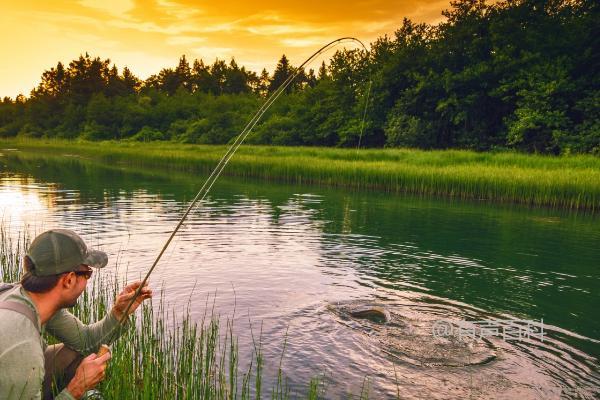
pixel 571 182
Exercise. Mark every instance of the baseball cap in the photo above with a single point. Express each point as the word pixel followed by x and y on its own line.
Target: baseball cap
pixel 62 250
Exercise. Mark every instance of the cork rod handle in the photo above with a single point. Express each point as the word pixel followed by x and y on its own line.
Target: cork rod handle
pixel 103 350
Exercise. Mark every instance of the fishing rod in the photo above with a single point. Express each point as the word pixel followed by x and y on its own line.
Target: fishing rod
pixel 216 172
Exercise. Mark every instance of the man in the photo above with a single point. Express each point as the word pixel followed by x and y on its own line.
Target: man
pixel 57 268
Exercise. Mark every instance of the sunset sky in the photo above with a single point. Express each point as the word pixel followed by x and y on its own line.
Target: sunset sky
pixel 147 35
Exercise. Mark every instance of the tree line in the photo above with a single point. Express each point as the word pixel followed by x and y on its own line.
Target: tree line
pixel 515 74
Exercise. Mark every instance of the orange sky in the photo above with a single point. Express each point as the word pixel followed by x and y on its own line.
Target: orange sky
pixel 147 35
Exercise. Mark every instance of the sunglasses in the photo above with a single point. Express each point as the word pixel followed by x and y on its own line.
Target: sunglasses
pixel 86 274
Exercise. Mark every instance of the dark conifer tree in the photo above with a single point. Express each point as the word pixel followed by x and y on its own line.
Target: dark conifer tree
pixel 183 73
pixel 202 80
pixel 282 71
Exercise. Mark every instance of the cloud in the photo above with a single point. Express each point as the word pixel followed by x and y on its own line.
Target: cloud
pixel 173 29
pixel 177 10
pixel 282 29
pixel 63 18
pixel 113 7
pixel 306 42
pixel 376 26
pixel 184 40
pixel 217 27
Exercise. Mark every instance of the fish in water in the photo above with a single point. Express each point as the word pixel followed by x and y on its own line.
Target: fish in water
pixel 372 313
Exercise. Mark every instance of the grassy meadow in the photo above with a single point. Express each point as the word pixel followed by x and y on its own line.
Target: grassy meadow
pixel 565 182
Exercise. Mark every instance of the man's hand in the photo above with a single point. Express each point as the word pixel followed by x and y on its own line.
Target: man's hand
pixel 89 373
pixel 125 297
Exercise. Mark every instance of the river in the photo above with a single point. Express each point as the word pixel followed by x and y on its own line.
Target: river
pixel 290 259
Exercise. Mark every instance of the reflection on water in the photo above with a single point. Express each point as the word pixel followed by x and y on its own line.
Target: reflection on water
pixel 281 255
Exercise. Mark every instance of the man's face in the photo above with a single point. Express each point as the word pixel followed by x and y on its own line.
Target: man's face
pixel 79 280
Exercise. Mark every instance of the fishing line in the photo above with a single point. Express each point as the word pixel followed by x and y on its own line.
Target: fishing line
pixel 362 123
pixel 216 172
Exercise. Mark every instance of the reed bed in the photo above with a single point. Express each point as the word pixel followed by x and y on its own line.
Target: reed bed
pixel 571 182
pixel 151 360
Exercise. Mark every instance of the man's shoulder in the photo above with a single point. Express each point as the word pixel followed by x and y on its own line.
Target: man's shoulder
pixel 14 292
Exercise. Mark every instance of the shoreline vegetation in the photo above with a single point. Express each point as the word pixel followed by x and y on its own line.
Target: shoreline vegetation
pixel 189 360
pixel 569 182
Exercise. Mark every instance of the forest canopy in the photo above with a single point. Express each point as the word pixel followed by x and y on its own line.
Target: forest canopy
pixel 516 74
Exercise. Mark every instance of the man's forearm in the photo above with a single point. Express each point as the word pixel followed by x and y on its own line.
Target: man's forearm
pixel 85 338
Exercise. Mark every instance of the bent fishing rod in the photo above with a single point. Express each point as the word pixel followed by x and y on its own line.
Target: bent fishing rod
pixel 216 172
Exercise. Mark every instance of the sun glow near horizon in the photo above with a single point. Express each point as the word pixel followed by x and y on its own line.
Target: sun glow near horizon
pixel 148 35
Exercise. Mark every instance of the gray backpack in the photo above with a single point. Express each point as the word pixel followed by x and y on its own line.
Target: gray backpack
pixel 17 307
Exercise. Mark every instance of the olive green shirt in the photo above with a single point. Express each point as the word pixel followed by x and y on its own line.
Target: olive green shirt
pixel 22 347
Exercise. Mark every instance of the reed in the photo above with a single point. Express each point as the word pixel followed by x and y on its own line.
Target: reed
pixel 571 182
pixel 152 360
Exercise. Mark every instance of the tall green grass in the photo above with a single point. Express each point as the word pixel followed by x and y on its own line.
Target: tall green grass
pixel 150 360
pixel 566 182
